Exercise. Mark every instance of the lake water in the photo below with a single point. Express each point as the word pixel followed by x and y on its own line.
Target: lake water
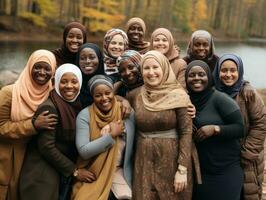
pixel 14 56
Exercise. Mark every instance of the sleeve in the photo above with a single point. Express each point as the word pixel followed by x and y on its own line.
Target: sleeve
pixel 184 129
pixel 233 121
pixel 180 76
pixel 254 141
pixel 48 149
pixel 85 147
pixel 8 128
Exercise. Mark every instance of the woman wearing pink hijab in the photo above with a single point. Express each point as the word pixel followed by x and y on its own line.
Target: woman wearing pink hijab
pixel 17 107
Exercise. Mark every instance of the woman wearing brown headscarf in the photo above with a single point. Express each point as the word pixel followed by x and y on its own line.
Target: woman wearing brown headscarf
pixel 17 106
pixel 74 36
pixel 135 29
pixel 162 40
pixel 163 167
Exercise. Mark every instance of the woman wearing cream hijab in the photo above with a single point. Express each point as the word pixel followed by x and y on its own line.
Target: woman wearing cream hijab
pixel 17 107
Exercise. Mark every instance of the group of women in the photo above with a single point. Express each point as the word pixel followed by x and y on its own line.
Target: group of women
pixel 67 131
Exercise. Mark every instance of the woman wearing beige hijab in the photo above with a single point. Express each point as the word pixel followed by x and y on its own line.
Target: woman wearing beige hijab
pixel 17 106
pixel 162 40
pixel 163 167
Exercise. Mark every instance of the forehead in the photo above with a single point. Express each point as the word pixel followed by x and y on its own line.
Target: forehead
pixel 74 31
pixel 229 63
pixel 160 36
pixel 101 87
pixel 135 25
pixel 151 61
pixel 201 39
pixel 69 75
pixel 196 69
pixel 87 50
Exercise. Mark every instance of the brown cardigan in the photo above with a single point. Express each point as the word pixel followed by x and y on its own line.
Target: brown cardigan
pixel 13 141
pixel 252 154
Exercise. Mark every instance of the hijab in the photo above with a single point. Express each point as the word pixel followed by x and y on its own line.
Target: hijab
pixel 211 59
pixel 135 58
pixel 234 89
pixel 68 109
pixel 173 51
pixel 169 94
pixel 63 55
pixel 110 66
pixel 200 99
pixel 26 94
pixel 141 46
pixel 85 95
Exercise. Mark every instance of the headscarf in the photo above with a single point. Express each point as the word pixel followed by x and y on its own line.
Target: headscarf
pixel 63 55
pixel 141 46
pixel 100 79
pixel 234 89
pixel 104 164
pixel 199 99
pixel 110 66
pixel 135 58
pixel 68 109
pixel 26 94
pixel 173 52
pixel 85 95
pixel 169 93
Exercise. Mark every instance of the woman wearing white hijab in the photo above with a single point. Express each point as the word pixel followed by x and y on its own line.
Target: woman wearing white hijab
pixel 51 157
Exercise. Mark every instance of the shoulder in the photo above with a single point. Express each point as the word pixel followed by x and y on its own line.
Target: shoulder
pixel 132 95
pixel 84 114
pixel 7 90
pixel 225 102
pixel 46 106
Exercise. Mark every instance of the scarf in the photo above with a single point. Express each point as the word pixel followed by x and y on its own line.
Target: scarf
pixel 26 94
pixel 169 94
pixel 142 46
pixel 219 85
pixel 63 55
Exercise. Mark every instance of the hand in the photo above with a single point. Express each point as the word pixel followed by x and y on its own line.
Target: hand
pixel 117 128
pixel 204 132
pixel 106 130
pixel 85 175
pixel 125 108
pixel 180 182
pixel 191 110
pixel 45 121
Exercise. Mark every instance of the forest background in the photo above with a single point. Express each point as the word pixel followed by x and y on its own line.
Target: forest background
pixel 237 19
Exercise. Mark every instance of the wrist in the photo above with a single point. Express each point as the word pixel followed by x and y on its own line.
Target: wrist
pixel 182 169
pixel 217 130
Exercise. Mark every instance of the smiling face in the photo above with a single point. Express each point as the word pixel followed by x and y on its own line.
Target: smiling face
pixel 152 72
pixel 201 48
pixel 88 61
pixel 74 40
pixel 197 79
pixel 41 72
pixel 229 73
pixel 116 46
pixel 160 43
pixel 135 33
pixel 69 86
pixel 129 72
pixel 103 97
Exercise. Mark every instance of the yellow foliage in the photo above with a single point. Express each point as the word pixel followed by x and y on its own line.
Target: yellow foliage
pixel 201 9
pixel 35 19
pixel 48 8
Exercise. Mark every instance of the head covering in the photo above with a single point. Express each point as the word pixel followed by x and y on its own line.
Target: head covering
pixel 173 51
pixel 135 58
pixel 169 93
pixel 234 89
pixel 67 68
pixel 141 46
pixel 26 94
pixel 100 79
pixel 199 99
pixel 67 109
pixel 63 55
pixel 110 66
pixel 201 34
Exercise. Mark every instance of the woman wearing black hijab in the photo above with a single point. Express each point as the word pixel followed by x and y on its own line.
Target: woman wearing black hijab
pixel 74 36
pixel 90 61
pixel 218 128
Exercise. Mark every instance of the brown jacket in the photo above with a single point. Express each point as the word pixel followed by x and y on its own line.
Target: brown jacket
pixel 13 141
pixel 254 114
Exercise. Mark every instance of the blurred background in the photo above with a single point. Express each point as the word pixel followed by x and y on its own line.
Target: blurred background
pixel 238 26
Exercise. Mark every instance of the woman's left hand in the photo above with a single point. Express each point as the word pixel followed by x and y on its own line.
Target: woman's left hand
pixel 204 132
pixel 106 130
pixel 180 182
pixel 191 110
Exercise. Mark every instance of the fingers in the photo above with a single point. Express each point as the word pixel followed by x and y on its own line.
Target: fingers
pixel 179 187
